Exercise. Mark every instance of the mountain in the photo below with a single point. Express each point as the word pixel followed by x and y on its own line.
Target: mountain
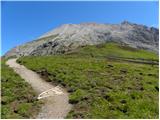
pixel 71 36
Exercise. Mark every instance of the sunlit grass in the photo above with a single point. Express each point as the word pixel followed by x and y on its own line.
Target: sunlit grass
pixel 102 88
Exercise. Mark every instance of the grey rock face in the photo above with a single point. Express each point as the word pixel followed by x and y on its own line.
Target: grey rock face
pixel 70 36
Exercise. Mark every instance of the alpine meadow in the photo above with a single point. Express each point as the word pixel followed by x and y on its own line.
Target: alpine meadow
pixel 79 69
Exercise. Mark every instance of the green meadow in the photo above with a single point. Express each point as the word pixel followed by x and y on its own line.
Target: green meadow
pixel 100 85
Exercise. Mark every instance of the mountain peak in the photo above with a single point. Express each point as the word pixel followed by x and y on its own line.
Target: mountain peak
pixel 68 37
pixel 125 22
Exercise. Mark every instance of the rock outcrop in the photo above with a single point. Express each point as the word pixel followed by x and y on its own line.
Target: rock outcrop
pixel 70 36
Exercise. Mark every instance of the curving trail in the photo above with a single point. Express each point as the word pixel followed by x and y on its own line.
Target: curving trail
pixel 55 98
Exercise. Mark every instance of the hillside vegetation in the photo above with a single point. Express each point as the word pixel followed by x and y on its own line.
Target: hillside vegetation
pixel 104 81
pixel 113 50
pixel 18 99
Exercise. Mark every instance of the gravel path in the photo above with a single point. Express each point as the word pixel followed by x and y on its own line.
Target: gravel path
pixel 56 105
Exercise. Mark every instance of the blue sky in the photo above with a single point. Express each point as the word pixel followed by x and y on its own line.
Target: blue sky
pixel 24 21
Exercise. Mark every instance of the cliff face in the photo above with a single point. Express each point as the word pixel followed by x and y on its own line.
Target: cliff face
pixel 70 36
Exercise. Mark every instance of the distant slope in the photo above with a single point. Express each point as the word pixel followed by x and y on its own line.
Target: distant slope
pixel 112 49
pixel 71 36
pixel 101 87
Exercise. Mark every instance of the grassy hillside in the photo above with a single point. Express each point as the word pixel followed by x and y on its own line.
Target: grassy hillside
pixel 18 100
pixel 101 87
pixel 113 49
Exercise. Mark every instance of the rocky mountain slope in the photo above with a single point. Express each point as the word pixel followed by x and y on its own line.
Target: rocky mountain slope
pixel 71 36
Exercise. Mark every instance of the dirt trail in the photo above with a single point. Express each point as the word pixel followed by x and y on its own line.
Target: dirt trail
pixel 56 105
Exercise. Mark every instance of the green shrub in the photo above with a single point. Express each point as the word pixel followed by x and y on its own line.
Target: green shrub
pixel 24 109
pixel 77 96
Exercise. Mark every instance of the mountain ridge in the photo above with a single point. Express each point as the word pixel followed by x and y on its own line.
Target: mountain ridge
pixel 68 37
